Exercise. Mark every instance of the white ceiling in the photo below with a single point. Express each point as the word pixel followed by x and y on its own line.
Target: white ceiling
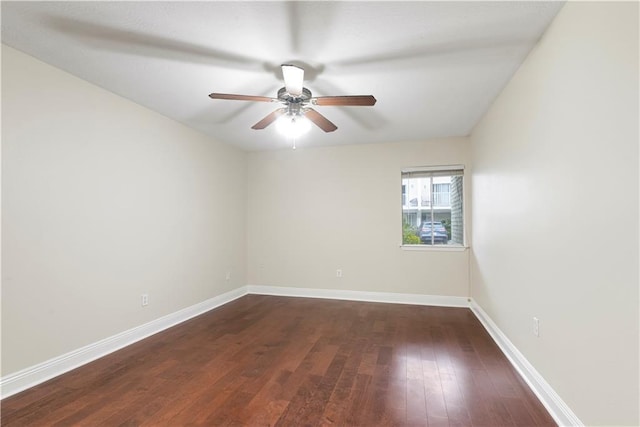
pixel 434 67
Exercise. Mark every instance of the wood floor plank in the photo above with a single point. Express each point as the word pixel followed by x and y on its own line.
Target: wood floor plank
pixel 337 405
pixel 266 361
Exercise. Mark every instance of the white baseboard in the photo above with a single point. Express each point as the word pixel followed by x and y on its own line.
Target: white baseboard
pixel 34 375
pixel 557 408
pixel 386 297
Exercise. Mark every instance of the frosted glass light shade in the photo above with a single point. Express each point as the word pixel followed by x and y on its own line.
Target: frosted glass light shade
pixel 293 126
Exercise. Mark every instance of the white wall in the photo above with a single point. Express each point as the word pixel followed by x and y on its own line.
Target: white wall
pixel 102 201
pixel 555 210
pixel 312 211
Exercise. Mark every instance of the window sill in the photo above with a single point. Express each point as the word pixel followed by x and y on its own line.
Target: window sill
pixel 435 248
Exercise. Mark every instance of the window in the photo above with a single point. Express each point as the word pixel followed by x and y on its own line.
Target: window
pixel 432 206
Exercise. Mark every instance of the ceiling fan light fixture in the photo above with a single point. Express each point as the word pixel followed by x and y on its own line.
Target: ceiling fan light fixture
pixel 295 116
pixel 293 126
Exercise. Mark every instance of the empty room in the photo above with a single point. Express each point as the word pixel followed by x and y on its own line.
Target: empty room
pixel 316 213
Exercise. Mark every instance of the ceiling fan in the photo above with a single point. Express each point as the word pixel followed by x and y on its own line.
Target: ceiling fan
pixel 295 100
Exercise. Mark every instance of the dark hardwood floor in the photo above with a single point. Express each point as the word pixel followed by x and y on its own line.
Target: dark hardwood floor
pixel 277 361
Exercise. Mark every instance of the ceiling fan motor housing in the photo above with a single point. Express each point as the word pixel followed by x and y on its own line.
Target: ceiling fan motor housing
pixel 294 104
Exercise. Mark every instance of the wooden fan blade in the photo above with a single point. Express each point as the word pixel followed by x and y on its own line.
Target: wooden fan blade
pixel 270 118
pixel 363 100
pixel 241 97
pixel 321 121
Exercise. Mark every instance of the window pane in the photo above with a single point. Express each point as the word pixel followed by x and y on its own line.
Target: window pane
pixel 432 210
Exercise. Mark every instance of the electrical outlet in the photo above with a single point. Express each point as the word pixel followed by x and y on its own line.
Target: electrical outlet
pixel 144 299
pixel 228 277
pixel 339 272
pixel 536 327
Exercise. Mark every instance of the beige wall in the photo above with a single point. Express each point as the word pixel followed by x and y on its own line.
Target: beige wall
pixel 312 211
pixel 555 210
pixel 104 200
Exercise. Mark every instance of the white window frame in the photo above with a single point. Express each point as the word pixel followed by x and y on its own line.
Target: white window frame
pixel 435 247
